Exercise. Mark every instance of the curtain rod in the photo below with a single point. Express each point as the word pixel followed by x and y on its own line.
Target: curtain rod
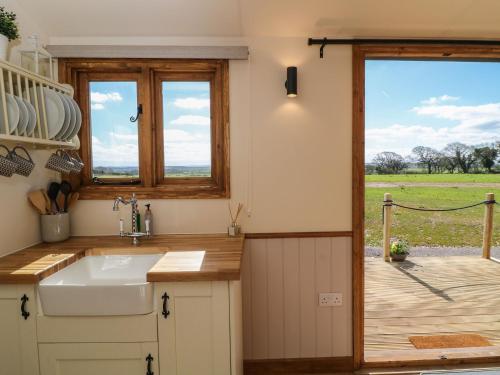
pixel 325 41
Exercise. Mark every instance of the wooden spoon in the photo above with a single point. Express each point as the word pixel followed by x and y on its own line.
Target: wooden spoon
pixel 73 198
pixel 37 199
pixel 48 203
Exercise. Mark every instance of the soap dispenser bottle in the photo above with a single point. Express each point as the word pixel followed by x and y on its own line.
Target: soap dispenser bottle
pixel 148 220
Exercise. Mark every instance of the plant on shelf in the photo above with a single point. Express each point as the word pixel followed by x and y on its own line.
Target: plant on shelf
pixel 8 30
pixel 399 250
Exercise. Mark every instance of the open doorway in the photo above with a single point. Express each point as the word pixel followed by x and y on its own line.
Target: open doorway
pixel 426 147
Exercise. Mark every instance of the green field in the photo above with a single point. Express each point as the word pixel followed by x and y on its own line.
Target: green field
pixel 437 178
pixel 459 228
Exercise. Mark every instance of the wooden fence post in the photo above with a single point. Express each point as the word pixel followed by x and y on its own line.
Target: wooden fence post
pixel 387 225
pixel 488 226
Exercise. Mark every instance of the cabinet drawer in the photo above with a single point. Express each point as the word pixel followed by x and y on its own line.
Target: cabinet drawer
pixel 109 358
pixel 137 328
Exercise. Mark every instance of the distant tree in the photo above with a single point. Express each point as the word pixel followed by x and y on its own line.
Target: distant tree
pixel 427 157
pixel 440 165
pixel 449 164
pixel 486 156
pixel 370 169
pixel 389 163
pixel 461 155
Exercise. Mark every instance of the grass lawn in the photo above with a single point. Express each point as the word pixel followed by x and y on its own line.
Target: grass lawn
pixel 446 177
pixel 459 228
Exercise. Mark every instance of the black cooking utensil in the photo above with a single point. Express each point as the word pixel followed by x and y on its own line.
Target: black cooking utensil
pixel 66 190
pixel 52 192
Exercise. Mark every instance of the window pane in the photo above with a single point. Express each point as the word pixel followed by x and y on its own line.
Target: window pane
pixel 115 152
pixel 186 129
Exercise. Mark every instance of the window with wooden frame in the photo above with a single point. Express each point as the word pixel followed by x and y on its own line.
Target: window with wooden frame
pixel 179 145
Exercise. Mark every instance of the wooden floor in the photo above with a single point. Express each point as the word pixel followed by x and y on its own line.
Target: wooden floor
pixel 430 296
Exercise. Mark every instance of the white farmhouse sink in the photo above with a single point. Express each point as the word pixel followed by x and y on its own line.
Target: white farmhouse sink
pixel 100 285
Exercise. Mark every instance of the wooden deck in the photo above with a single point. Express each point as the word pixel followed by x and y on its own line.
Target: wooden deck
pixel 430 296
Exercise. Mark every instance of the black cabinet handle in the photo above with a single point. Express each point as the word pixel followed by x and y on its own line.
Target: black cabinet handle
pixel 165 311
pixel 24 313
pixel 149 360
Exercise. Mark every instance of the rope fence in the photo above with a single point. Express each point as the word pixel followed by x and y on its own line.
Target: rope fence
pixel 392 204
pixel 489 203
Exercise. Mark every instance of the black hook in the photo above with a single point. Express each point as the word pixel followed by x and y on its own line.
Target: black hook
pixel 139 112
pixel 322 47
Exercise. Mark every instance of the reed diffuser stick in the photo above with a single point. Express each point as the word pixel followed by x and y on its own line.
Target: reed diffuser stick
pixel 234 219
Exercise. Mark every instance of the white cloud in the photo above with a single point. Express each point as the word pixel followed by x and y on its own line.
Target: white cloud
pixel 467 115
pixel 186 148
pixel 116 154
pixel 176 135
pixel 181 148
pixel 97 99
pixel 97 106
pixel 192 103
pixel 187 153
pixel 473 125
pixel 191 120
pixel 121 137
pixel 100 97
pixel 439 99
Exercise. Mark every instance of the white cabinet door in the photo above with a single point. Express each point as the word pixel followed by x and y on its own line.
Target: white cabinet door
pixel 193 337
pixel 18 348
pixel 108 359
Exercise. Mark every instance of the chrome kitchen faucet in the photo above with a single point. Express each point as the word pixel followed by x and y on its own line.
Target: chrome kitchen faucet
pixel 135 234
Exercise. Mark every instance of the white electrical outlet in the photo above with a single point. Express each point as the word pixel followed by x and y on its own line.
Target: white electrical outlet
pixel 330 299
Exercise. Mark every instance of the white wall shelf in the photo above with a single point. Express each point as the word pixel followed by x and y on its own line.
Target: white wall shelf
pixel 22 83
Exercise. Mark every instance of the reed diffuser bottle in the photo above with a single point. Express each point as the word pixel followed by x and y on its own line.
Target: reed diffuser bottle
pixel 234 229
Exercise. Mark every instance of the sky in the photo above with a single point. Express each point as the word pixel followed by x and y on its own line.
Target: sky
pixel 186 120
pixel 430 103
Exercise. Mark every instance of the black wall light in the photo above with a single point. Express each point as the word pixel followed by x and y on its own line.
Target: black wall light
pixel 291 81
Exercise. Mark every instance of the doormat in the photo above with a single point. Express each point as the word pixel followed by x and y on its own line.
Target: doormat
pixel 449 341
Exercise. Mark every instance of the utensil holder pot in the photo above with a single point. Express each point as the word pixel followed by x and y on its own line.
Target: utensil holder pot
pixel 55 228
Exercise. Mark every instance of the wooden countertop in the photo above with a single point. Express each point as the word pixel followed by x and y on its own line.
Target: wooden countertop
pixel 187 257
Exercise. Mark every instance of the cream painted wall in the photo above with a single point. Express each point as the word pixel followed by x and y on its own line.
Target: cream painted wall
pixel 290 158
pixel 20 224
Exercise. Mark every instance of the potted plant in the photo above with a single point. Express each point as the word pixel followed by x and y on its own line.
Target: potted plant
pixel 399 250
pixel 8 30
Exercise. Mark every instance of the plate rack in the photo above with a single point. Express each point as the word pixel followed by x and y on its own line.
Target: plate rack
pixel 22 83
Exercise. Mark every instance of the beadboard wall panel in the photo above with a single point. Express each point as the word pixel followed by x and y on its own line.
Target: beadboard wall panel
pixel 281 280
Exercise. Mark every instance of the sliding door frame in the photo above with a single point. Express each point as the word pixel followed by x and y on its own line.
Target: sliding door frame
pixel 361 53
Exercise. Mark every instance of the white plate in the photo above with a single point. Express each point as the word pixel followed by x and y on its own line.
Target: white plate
pixel 32 118
pixel 73 115
pixel 54 109
pixel 67 117
pixel 64 136
pixel 78 123
pixel 23 116
pixel 12 113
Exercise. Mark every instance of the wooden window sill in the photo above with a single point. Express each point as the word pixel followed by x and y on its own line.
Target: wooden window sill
pixel 159 192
